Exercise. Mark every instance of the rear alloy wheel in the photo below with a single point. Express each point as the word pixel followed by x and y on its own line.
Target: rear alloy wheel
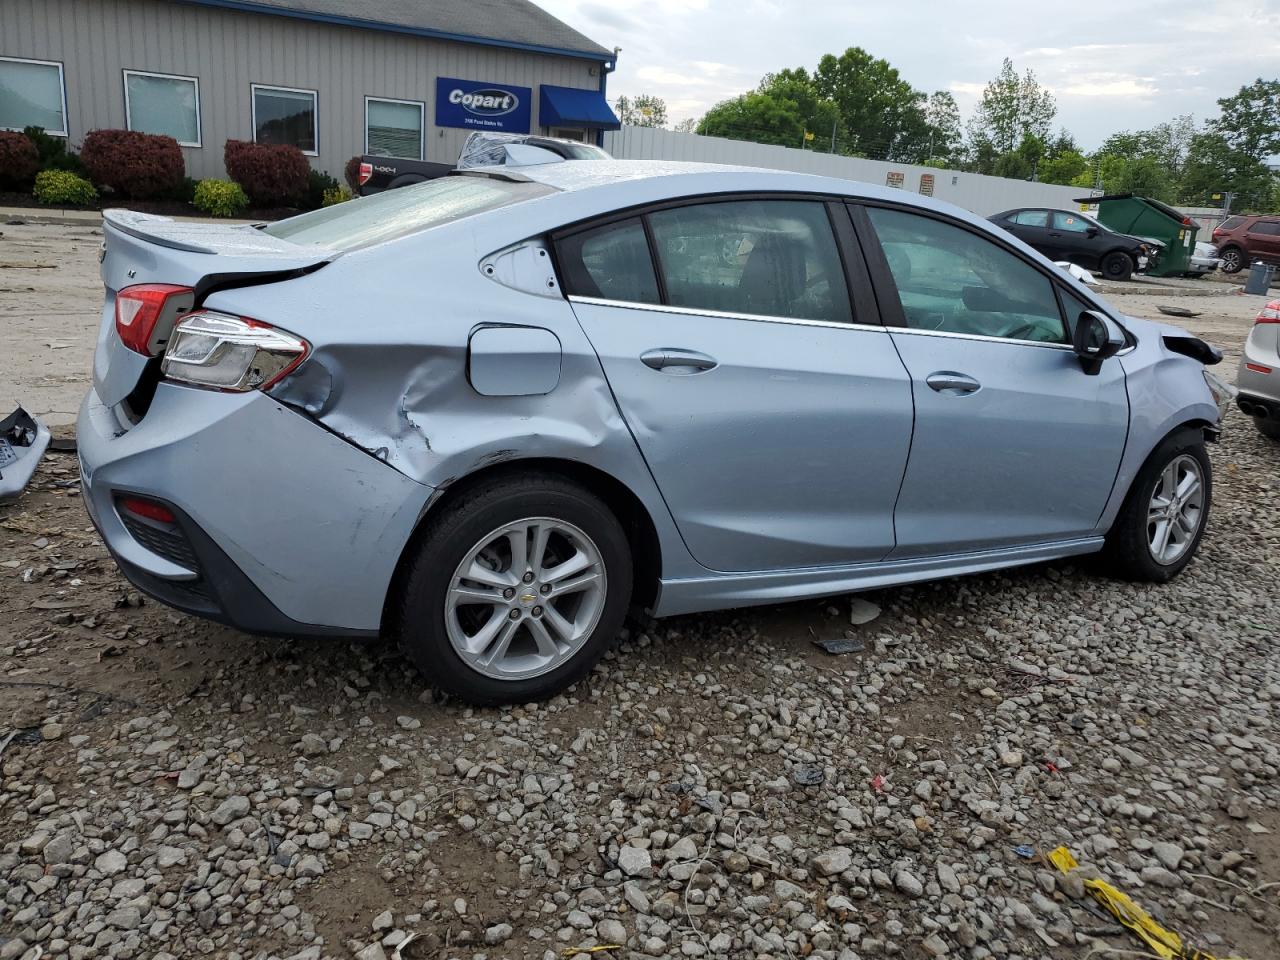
pixel 1117 266
pixel 516 590
pixel 1232 260
pixel 1163 518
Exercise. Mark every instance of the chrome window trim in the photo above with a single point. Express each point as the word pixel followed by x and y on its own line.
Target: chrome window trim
pixel 983 337
pixel 693 312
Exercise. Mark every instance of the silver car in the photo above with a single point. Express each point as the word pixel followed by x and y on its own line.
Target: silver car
pixel 1259 374
pixel 490 413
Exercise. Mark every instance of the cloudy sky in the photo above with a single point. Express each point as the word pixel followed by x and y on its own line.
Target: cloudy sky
pixel 1112 65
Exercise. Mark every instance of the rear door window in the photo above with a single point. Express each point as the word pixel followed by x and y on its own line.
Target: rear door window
pixel 953 280
pixel 773 258
pixel 1031 218
pixel 1267 228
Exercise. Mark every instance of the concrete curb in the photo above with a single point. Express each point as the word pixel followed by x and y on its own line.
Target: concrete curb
pixel 54 216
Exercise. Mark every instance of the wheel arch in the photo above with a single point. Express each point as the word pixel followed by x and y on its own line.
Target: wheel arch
pixel 1206 429
pixel 642 533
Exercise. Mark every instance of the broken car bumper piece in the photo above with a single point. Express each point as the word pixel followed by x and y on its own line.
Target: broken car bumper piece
pixel 23 440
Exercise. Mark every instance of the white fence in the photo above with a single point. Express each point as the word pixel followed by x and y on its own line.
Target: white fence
pixel 981 194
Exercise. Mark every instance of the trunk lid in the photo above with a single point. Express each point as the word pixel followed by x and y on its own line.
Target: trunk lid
pixel 143 248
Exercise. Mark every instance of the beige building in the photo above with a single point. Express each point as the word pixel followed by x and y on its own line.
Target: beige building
pixel 405 78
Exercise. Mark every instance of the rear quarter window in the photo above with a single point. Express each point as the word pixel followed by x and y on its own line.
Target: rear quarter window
pixel 1231 223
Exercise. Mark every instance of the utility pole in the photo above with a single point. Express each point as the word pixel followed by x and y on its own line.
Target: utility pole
pixel 833 136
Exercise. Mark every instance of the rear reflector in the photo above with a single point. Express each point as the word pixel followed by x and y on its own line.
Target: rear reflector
pixel 1270 313
pixel 1257 368
pixel 147 509
pixel 366 173
pixel 140 306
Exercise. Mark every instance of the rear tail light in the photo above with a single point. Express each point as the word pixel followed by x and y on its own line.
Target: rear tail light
pixel 1270 313
pixel 223 352
pixel 366 173
pixel 140 307
pixel 147 509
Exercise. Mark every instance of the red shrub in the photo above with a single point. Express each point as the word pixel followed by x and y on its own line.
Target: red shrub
pixel 352 173
pixel 272 174
pixel 138 165
pixel 19 159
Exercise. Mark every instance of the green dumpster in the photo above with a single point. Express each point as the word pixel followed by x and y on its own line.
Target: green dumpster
pixel 1149 219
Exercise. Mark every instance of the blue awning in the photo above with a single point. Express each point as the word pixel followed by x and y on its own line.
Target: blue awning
pixel 567 107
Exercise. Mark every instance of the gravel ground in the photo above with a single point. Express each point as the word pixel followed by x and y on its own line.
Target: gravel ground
pixel 718 787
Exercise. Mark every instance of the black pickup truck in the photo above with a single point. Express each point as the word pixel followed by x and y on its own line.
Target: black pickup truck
pixel 386 173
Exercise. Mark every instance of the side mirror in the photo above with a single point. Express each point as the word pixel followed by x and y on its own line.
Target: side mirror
pixel 1096 338
pixel 1091 232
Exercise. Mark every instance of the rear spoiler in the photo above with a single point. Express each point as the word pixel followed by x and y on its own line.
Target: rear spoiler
pixel 227 239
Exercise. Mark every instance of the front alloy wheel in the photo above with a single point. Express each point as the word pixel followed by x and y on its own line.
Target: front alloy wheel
pixel 525 598
pixel 1163 518
pixel 1176 510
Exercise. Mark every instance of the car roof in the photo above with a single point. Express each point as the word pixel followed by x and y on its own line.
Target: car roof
pixel 676 179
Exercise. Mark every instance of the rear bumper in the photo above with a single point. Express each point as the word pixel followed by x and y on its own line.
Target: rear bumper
pixel 281 527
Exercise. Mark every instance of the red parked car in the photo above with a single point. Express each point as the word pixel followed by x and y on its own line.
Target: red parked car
pixel 1241 240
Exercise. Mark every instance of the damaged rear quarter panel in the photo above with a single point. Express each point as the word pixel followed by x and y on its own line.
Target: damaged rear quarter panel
pixel 389 327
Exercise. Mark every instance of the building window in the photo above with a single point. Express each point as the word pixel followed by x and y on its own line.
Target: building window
pixel 393 128
pixel 283 115
pixel 32 94
pixel 163 104
pixel 569 133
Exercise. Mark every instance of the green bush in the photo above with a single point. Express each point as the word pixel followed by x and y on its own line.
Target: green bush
pixel 53 151
pixel 62 187
pixel 220 198
pixel 318 187
pixel 337 195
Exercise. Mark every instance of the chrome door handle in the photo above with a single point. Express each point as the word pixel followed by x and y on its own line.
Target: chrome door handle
pixel 675 361
pixel 952 384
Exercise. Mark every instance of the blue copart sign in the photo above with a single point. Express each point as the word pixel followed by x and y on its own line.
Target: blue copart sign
pixel 482 106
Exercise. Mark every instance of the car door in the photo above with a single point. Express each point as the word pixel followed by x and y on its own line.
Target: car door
pixel 1069 234
pixel 1032 228
pixel 1014 443
pixel 1263 240
pixel 774 414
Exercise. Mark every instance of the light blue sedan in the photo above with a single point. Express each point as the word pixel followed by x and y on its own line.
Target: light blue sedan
pixel 490 413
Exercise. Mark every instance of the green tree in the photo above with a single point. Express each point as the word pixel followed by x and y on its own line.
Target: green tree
pixel 1065 168
pixel 645 110
pixel 1250 120
pixel 946 137
pixel 819 115
pixel 759 117
pixel 687 125
pixel 1214 166
pixel 883 116
pixel 1011 108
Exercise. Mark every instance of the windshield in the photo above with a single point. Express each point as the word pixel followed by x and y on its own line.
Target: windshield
pixel 395 213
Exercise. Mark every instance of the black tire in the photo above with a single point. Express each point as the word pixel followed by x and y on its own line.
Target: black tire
pixel 1268 428
pixel 1117 265
pixel 1127 554
pixel 1232 259
pixel 419 614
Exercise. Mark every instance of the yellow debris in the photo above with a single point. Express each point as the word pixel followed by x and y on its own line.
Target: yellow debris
pixel 1165 943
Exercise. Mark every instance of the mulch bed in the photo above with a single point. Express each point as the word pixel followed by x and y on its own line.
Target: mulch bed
pixel 168 208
